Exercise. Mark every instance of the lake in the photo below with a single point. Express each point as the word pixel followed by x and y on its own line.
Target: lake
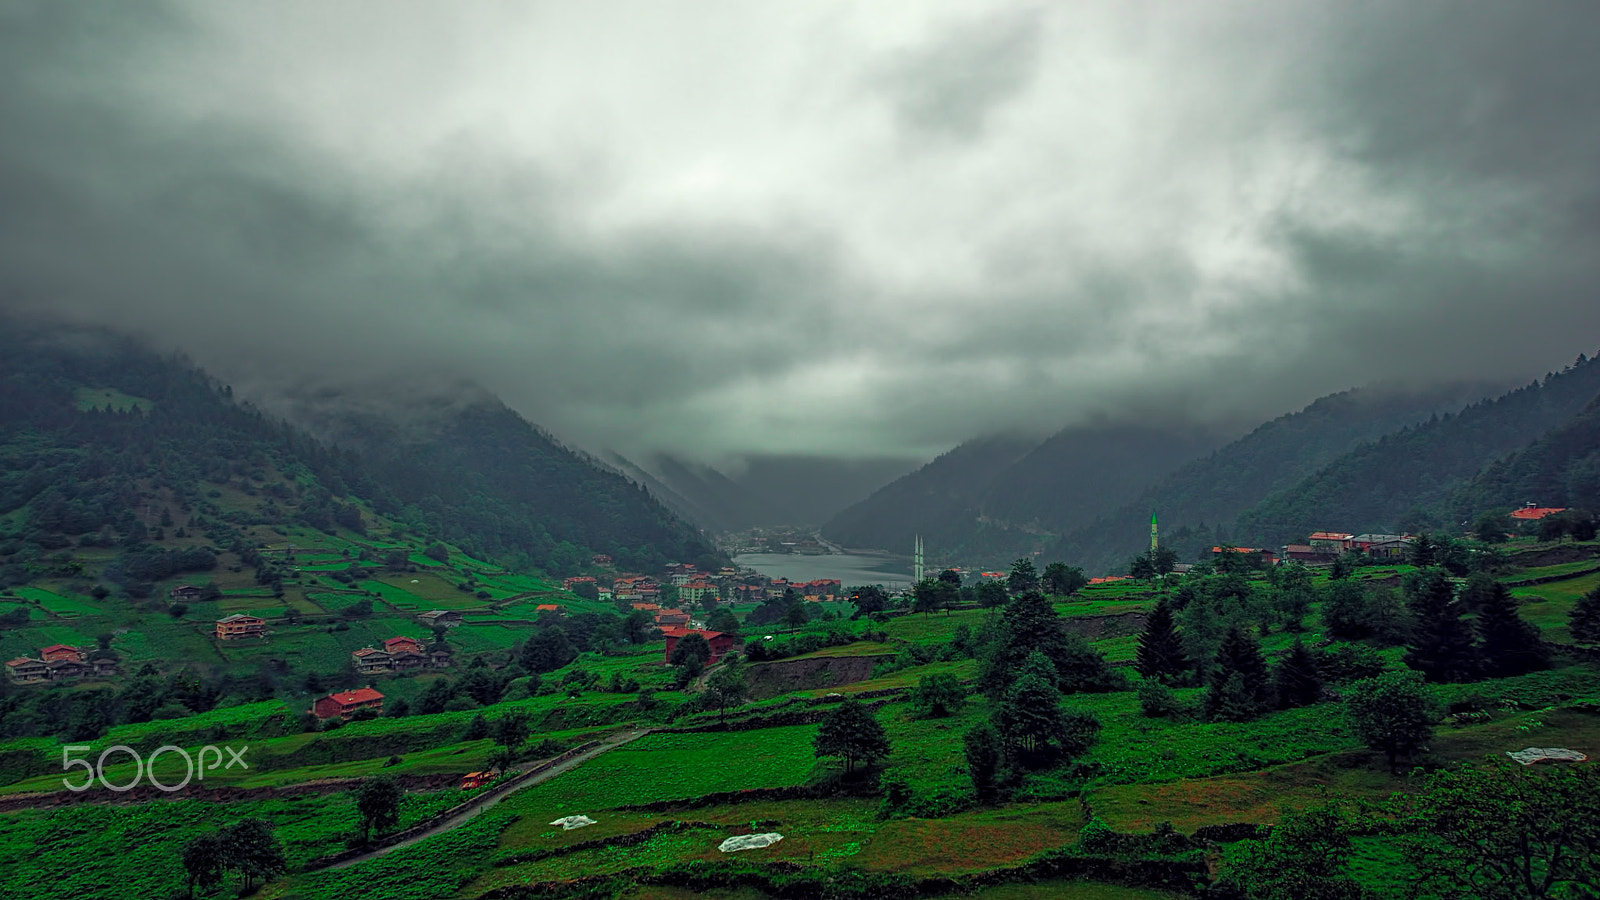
pixel 890 571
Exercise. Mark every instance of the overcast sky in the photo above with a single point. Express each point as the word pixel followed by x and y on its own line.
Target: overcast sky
pixel 858 229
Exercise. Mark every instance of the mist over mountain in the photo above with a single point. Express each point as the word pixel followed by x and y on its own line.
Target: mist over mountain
pixel 1197 504
pixel 1404 480
pixel 765 490
pixel 941 501
pixel 459 465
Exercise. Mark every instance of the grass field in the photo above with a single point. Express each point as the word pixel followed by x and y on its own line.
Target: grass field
pixel 59 605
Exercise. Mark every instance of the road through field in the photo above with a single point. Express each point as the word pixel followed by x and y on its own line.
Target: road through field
pixel 456 820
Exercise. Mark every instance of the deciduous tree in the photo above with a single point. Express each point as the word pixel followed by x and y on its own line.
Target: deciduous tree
pixel 938 696
pixel 851 733
pixel 203 862
pixel 1063 580
pixel 1507 833
pixel 1392 712
pixel 378 804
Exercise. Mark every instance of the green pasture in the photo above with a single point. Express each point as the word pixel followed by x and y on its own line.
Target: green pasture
pixel 674 767
pixel 59 605
pixel 89 398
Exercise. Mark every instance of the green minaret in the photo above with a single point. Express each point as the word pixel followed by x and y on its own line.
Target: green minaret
pixel 1152 531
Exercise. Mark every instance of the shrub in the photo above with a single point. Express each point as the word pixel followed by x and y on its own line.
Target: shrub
pixel 1156 700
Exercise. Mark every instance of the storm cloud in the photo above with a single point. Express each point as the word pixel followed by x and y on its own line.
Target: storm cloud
pixel 843 229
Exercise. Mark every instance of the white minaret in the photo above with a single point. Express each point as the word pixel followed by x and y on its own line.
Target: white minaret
pixel 916 564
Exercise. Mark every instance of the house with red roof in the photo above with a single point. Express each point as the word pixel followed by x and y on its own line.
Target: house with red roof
pixel 372 661
pixel 61 652
pixel 668 618
pixel 720 643
pixel 24 670
pixel 402 644
pixel 1331 541
pixel 345 703
pixel 1531 513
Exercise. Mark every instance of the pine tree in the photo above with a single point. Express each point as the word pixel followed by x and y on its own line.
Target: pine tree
pixel 1441 646
pixel 1509 644
pixel 1584 619
pixel 1160 654
pixel 1239 687
pixel 1296 678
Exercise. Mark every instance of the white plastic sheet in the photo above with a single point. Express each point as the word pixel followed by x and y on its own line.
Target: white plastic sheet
pixel 1538 754
pixel 749 842
pixel 570 822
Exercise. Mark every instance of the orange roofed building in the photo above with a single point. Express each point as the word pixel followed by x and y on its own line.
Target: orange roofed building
pixel 345 703
pixel 234 627
pixel 1535 513
pixel 720 643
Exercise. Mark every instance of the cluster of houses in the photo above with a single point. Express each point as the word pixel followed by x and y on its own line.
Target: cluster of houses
pixel 400 654
pixel 57 662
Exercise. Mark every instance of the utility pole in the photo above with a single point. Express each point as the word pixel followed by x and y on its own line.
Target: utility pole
pixel 916 564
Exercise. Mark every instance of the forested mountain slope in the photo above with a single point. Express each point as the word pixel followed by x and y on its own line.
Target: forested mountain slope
pixel 1560 469
pixel 941 501
pixel 1213 491
pixel 1082 472
pixel 92 423
pixel 1404 480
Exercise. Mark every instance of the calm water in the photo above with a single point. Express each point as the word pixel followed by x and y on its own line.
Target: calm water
pixel 888 571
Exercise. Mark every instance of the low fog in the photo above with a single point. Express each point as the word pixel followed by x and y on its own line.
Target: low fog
pixel 843 230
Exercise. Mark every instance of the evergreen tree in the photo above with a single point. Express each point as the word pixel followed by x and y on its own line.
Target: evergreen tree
pixel 1441 646
pixel 1082 669
pixel 1023 577
pixel 477 729
pixel 1160 654
pixel 1508 644
pixel 1584 619
pixel 1028 623
pixel 1034 730
pixel 1296 678
pixel 1239 689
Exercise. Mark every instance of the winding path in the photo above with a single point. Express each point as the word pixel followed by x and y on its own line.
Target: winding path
pixel 488 800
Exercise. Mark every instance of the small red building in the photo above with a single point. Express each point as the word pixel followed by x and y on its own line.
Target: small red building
pixel 398 644
pixel 344 704
pixel 62 653
pixel 478 779
pixel 720 643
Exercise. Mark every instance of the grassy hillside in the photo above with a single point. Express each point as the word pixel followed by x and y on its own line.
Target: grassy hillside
pixel 663 805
